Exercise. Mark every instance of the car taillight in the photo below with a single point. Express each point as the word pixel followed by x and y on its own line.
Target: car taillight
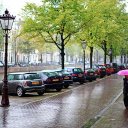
pixel 99 70
pixel 49 80
pixel 85 73
pixel 70 77
pixel 40 82
pixel 27 83
pixel 74 75
pixel 61 79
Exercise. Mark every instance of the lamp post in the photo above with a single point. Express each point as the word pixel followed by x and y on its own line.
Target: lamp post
pixel 6 21
pixel 84 47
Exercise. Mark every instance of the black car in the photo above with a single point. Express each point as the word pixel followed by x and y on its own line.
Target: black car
pixel 115 67
pixel 90 74
pixel 67 77
pixel 51 79
pixel 77 74
pixel 121 67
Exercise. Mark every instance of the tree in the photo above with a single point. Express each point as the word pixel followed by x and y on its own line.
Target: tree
pixel 111 26
pixel 54 21
pixel 106 27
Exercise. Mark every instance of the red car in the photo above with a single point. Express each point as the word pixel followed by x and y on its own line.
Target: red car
pixel 109 69
pixel 100 70
pixel 90 74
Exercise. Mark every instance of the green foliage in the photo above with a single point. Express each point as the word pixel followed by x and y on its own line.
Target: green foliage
pixel 108 22
pixel 53 20
pixel 61 21
pixel 25 47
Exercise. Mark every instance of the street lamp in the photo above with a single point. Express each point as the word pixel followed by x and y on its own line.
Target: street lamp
pixel 84 47
pixel 6 21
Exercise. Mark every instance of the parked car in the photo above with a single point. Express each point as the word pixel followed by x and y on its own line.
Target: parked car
pixel 1 64
pixel 90 74
pixel 21 64
pixel 101 70
pixel 11 64
pixel 115 67
pixel 96 70
pixel 109 69
pixel 121 67
pixel 77 74
pixel 67 78
pixel 23 82
pixel 51 79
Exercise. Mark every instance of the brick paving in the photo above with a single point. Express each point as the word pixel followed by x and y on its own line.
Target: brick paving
pixel 71 109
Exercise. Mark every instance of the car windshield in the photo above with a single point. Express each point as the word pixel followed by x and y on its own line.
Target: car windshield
pixel 101 66
pixel 65 72
pixel 31 76
pixel 77 70
pixel 59 72
pixel 108 66
pixel 49 74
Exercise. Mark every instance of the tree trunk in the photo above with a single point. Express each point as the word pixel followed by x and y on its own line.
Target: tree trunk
pixel 111 54
pixel 51 55
pixel 125 59
pixel 91 55
pixel 105 52
pixel 41 58
pixel 28 58
pixel 62 55
pixel 121 59
pixel 111 59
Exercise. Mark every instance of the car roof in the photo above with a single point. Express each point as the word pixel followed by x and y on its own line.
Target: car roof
pixel 71 67
pixel 47 71
pixel 23 73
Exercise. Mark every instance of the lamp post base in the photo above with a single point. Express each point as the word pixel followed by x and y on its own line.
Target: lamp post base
pixel 4 105
pixel 5 99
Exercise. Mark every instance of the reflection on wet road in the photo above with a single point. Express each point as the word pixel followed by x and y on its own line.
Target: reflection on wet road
pixel 71 109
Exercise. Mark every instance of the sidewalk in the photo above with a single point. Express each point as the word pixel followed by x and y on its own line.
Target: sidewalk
pixel 115 117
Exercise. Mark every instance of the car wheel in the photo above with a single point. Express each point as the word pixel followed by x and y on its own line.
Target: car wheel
pixel 81 82
pixel 101 76
pixel 20 92
pixel 58 89
pixel 66 86
pixel 40 93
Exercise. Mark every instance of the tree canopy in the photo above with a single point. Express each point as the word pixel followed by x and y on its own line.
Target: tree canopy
pixel 96 21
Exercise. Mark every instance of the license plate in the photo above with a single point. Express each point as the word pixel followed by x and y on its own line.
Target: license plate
pixel 80 75
pixel 66 78
pixel 55 80
pixel 91 74
pixel 35 83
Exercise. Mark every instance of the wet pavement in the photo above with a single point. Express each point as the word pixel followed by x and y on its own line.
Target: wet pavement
pixel 70 109
pixel 115 117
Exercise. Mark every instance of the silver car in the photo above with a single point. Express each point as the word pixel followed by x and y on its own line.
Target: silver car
pixel 22 82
